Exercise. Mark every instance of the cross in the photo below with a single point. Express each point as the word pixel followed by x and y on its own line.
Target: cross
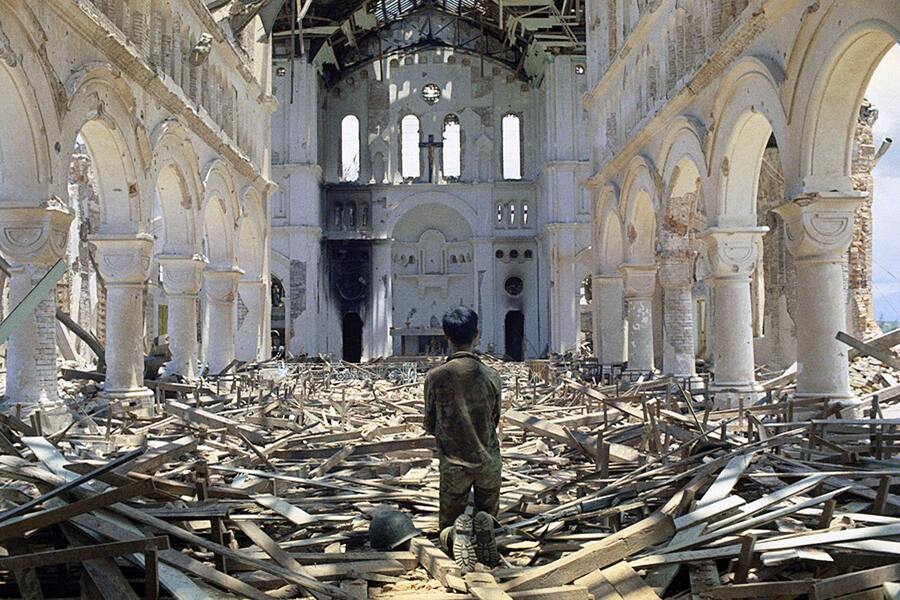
pixel 431 145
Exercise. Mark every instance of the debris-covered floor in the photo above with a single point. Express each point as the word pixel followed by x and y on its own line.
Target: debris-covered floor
pixel 260 484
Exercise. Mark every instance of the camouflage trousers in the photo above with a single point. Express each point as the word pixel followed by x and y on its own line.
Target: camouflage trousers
pixel 456 483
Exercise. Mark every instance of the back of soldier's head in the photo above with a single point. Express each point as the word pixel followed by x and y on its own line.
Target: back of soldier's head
pixel 461 325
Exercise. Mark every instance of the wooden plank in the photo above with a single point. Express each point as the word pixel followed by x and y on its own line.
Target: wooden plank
pixel 81 553
pixel 573 439
pixel 154 458
pixel 189 414
pixel 628 583
pixel 883 356
pixel 34 444
pixel 103 572
pixel 653 530
pixel 436 563
pixel 766 589
pixel 285 509
pixel 26 579
pixel 27 305
pixel 333 461
pixel 386 447
pixel 484 587
pixel 597 584
pixel 208 573
pixel 19 527
pixel 832 587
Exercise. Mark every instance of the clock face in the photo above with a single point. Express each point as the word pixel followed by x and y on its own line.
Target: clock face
pixel 431 93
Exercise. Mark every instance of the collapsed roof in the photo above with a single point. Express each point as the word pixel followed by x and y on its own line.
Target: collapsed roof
pixel 339 35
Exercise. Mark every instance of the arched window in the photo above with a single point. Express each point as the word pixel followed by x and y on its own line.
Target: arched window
pixel 525 214
pixel 350 148
pixel 452 147
pixel 409 146
pixel 512 147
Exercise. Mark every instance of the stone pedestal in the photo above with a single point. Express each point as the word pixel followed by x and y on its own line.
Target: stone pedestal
pixel 124 265
pixel 818 231
pixel 676 278
pixel 220 287
pixel 485 293
pixel 249 341
pixel 640 285
pixel 181 282
pixel 609 318
pixel 732 257
pixel 32 239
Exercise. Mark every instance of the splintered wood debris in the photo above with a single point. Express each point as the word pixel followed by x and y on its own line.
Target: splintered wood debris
pixel 260 484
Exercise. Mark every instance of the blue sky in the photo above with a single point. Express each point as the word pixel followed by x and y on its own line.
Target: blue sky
pixel 884 92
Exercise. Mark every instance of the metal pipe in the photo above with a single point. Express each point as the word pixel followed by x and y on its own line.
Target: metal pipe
pixel 885 146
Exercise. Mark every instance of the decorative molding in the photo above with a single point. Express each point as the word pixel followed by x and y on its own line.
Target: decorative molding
pixel 34 235
pixel 732 253
pixel 819 227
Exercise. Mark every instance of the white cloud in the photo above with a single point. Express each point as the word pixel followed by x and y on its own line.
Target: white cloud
pixel 883 91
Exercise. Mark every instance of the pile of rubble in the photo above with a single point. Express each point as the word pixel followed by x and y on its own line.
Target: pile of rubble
pixel 260 483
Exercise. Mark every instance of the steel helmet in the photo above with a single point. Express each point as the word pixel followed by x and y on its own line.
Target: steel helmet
pixel 390 528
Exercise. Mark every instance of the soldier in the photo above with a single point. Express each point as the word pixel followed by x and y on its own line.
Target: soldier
pixel 462 411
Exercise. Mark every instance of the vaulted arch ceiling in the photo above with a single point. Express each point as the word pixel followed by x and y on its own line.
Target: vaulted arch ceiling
pixel 339 35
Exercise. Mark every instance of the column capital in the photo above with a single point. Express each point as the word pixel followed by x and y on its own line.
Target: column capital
pixel 221 285
pixel 181 274
pixel 34 234
pixel 123 260
pixel 819 227
pixel 640 281
pixel 676 270
pixel 732 252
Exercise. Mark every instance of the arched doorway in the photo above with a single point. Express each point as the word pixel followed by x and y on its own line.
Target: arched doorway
pixel 514 328
pixel 352 335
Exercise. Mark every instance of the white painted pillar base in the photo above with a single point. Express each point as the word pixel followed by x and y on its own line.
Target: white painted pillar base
pixel 181 282
pixel 819 230
pixel 32 239
pixel 220 288
pixel 732 258
pixel 124 264
pixel 609 318
pixel 640 284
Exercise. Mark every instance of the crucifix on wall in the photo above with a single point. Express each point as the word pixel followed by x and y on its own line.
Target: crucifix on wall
pixel 431 146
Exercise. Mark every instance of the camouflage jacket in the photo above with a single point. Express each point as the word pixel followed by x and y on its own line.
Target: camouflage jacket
pixel 462 409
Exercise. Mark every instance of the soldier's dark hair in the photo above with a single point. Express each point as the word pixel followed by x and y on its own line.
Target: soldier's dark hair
pixel 461 325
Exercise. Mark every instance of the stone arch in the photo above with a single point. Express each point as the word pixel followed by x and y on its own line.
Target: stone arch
pixel 26 124
pixel 611 244
pixel 220 215
pixel 453 203
pixel 641 202
pixel 177 189
pixel 845 51
pixel 101 113
pixel 748 112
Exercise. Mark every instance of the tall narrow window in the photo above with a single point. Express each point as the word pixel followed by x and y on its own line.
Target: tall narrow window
pixel 409 146
pixel 452 147
pixel 512 147
pixel 350 148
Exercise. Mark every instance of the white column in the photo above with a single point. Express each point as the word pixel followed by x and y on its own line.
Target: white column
pixel 564 309
pixel 380 315
pixel 609 318
pixel 485 301
pixel 31 240
pixel 732 258
pixel 181 282
pixel 220 288
pixel 249 339
pixel 640 285
pixel 676 278
pixel 124 265
pixel 819 230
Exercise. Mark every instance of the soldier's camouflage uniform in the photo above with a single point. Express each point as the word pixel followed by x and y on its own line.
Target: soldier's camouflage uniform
pixel 462 411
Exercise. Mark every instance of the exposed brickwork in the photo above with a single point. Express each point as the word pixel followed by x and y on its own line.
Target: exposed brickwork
pixel 860 314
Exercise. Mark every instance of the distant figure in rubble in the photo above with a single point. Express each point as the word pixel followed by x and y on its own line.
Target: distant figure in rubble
pixel 462 411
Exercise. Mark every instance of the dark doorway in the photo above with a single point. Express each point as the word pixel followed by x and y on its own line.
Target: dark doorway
pixel 515 335
pixel 352 328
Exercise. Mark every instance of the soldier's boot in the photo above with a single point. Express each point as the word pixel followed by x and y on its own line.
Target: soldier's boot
pixel 485 542
pixel 463 548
